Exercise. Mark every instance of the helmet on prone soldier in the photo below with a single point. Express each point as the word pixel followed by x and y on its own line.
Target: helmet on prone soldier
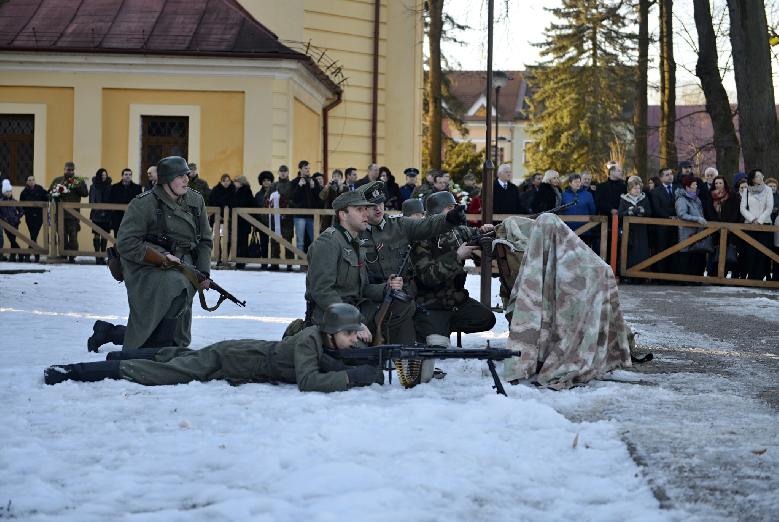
pixel 438 201
pixel 339 317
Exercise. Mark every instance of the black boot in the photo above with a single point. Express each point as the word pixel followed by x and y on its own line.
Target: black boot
pixel 140 353
pixel 104 332
pixel 84 372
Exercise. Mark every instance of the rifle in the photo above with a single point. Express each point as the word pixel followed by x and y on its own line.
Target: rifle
pixel 407 359
pixel 554 210
pixel 389 297
pixel 195 276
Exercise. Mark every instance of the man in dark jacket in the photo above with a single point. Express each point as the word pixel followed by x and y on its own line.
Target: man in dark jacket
pixel 33 216
pixel 663 206
pixel 306 359
pixel 305 194
pixel 527 192
pixel 371 176
pixel 100 192
pixel 608 194
pixel 122 193
pixel 198 183
pixel 505 195
pixel 411 183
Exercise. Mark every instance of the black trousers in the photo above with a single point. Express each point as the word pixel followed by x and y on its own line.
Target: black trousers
pixel 469 317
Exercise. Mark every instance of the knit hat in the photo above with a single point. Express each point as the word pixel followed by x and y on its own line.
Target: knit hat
pixel 739 177
pixel 6 186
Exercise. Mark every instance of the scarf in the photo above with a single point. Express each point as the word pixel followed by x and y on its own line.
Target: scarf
pixel 756 189
pixel 633 200
pixel 718 199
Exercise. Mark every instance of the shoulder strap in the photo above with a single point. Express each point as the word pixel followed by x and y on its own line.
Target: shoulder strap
pixel 159 216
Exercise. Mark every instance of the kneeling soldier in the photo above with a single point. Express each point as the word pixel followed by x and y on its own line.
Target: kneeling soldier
pixel 439 268
pixel 299 359
pixel 172 220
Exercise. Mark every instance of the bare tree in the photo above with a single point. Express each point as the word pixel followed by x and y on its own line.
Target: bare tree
pixel 435 10
pixel 667 132
pixel 752 66
pixel 642 68
pixel 717 103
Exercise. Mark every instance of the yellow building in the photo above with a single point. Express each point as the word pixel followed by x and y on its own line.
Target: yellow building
pixel 237 87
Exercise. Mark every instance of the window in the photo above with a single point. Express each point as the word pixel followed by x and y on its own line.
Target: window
pixel 162 136
pixel 17 132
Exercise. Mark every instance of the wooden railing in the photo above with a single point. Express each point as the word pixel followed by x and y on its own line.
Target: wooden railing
pixel 739 230
pixel 40 247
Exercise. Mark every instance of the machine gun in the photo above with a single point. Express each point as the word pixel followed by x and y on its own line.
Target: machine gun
pixel 389 297
pixel 407 359
pixel 195 276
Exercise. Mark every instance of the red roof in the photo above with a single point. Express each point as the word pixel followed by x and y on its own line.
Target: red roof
pixel 168 27
pixel 469 86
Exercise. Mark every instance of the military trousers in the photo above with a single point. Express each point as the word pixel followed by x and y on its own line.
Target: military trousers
pixel 398 326
pixel 469 317
pixel 235 361
pixel 71 227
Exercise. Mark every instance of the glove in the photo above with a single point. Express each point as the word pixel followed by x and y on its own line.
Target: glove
pixel 364 375
pixel 702 221
pixel 456 216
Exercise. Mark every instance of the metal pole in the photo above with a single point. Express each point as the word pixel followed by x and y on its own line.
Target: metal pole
pixel 489 168
pixel 497 124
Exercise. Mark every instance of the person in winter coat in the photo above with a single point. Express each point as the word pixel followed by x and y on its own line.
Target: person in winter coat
pixel 391 188
pixel 757 203
pixel 265 178
pixel 100 192
pixel 122 193
pixel 607 197
pixel 635 203
pixel 220 196
pixel 11 215
pixel 548 195
pixel 689 208
pixel 505 195
pixel 242 198
pixel 663 198
pixel 305 194
pixel 160 299
pixel 723 206
pixel 33 216
pixel 584 202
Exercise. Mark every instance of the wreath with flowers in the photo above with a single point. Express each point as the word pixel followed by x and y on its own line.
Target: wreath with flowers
pixel 66 186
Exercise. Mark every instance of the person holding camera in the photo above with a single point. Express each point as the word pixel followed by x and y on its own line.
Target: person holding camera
pixel 304 195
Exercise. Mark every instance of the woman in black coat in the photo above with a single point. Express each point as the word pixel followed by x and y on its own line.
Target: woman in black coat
pixel 548 195
pixel 724 206
pixel 390 188
pixel 635 203
pixel 242 197
pixel 100 192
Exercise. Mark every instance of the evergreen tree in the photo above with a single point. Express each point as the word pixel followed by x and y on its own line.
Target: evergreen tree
pixel 581 90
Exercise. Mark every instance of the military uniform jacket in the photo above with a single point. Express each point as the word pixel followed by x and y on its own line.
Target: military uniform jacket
pixel 150 290
pixel 440 276
pixel 202 187
pixel 337 273
pixel 77 191
pixel 386 243
pixel 422 191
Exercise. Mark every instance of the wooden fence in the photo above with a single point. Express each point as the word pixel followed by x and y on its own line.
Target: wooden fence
pixel 739 230
pixel 40 247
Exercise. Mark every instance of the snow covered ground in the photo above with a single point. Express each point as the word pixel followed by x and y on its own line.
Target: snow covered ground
pixel 449 450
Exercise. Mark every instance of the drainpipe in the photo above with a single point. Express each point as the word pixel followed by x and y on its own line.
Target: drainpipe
pixel 326 131
pixel 375 93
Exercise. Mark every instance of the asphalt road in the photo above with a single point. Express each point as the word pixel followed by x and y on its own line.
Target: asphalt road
pixel 702 417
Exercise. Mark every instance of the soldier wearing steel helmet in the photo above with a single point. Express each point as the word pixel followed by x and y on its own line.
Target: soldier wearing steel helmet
pixel 171 219
pixel 440 277
pixel 387 241
pixel 301 359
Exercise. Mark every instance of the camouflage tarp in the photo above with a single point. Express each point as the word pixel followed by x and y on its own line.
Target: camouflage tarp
pixel 567 320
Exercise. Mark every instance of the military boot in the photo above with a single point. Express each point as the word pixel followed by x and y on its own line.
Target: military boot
pixel 140 353
pixel 104 332
pixel 84 372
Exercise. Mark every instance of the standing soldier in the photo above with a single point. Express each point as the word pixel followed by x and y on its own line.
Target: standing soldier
pixel 71 191
pixel 169 219
pixel 440 277
pixel 302 359
pixel 386 242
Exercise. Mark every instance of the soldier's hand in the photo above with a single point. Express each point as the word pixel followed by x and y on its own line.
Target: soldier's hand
pixel 456 216
pixel 395 282
pixel 173 260
pixel 486 229
pixel 365 335
pixel 363 375
pixel 205 284
pixel 465 251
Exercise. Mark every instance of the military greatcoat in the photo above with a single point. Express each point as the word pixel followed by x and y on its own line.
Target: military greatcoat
pixel 151 290
pixel 299 359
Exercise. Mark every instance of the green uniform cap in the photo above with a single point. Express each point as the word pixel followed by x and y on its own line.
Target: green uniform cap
pixel 355 198
pixel 374 192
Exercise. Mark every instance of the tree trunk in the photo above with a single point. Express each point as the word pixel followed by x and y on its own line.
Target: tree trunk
pixel 436 8
pixel 752 66
pixel 640 117
pixel 717 103
pixel 667 87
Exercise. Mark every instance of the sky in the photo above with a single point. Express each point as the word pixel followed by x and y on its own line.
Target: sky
pixel 519 24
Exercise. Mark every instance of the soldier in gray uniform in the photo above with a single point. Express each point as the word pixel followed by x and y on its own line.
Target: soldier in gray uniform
pixel 440 277
pixel 387 242
pixel 302 359
pixel 413 208
pixel 171 219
